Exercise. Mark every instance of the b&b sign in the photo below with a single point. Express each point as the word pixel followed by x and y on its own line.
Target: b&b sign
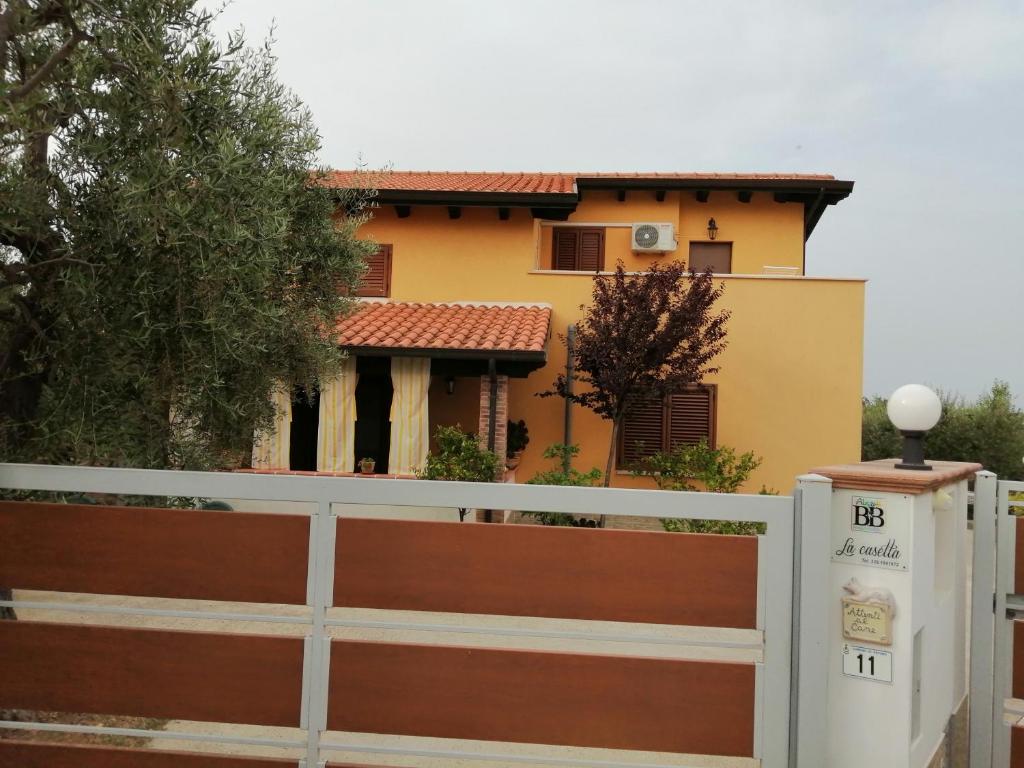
pixel 867 516
pixel 870 535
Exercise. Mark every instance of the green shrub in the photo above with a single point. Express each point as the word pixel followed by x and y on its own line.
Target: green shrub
pixel 718 470
pixel 563 474
pixel 460 457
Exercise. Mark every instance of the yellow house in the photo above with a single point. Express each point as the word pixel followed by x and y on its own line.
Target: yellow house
pixel 479 275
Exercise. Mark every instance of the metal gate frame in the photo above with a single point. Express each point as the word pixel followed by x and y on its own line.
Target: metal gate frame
pixel 791 566
pixel 994 607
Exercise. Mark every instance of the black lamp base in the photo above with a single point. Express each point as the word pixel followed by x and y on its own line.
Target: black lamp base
pixel 913 452
pixel 904 465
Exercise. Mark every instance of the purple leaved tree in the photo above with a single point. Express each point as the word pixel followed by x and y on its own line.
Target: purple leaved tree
pixel 644 335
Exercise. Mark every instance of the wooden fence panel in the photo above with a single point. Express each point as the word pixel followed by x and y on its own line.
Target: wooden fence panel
pixel 1017 686
pixel 1018 581
pixel 151 673
pixel 617 702
pixel 24 754
pixel 572 573
pixel 154 552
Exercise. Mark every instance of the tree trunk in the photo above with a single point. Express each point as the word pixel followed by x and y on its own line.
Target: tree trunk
pixel 20 390
pixel 616 426
pixel 19 404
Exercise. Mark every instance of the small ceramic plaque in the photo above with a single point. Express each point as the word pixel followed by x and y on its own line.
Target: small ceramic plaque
pixel 870 622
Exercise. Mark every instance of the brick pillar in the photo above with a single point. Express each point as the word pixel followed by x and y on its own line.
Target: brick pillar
pixel 501 414
pixel 500 430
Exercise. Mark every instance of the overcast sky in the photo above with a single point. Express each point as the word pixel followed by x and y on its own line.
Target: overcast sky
pixel 920 103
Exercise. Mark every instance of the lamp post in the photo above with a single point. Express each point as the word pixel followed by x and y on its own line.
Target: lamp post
pixel 914 409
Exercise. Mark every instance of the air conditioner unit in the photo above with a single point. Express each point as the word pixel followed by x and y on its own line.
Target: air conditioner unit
pixel 654 238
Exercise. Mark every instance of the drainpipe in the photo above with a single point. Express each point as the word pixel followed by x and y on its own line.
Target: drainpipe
pixel 570 350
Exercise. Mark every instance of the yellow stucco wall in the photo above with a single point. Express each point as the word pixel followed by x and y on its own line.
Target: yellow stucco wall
pixel 762 232
pixel 790 384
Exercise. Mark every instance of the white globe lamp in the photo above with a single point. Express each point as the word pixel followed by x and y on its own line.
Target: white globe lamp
pixel 914 409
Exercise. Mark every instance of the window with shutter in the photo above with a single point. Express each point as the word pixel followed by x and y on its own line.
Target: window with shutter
pixel 591 250
pixel 567 247
pixel 577 249
pixel 691 417
pixel 376 281
pixel 660 425
pixel 643 431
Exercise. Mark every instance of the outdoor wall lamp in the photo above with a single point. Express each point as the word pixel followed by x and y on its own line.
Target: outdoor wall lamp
pixel 913 409
pixel 449 384
pixel 712 229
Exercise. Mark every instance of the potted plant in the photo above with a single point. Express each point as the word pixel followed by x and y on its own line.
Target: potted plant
pixel 518 437
pixel 366 465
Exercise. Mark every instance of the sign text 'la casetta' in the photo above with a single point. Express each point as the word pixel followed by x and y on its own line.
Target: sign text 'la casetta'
pixel 869 535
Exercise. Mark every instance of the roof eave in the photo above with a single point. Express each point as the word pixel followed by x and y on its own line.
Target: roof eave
pixel 832 186
pixel 469 199
pixel 522 356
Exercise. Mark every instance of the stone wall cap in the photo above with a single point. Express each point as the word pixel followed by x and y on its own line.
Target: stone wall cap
pixel 882 475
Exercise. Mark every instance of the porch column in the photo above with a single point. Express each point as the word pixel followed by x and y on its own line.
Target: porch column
pixel 500 432
pixel 500 414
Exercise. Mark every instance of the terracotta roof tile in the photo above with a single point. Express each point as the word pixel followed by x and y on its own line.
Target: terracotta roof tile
pixel 456 181
pixel 478 327
pixel 525 182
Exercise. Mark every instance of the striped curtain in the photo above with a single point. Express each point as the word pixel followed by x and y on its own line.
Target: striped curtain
pixel 410 431
pixel 271 450
pixel 335 440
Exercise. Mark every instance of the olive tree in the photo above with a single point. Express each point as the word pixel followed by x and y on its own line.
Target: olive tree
pixel 165 257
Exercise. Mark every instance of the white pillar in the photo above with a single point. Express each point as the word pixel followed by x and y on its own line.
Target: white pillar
pixel 897 547
pixel 811 602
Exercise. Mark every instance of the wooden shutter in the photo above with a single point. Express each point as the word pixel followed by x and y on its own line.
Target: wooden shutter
pixel 566 245
pixel 376 281
pixel 643 431
pixel 717 256
pixel 591 250
pixel 691 416
pixel 577 249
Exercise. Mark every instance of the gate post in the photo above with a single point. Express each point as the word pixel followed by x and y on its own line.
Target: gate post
pixel 809 688
pixel 894 613
pixel 983 588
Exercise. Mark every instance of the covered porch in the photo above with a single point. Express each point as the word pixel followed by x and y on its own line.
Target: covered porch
pixel 410 368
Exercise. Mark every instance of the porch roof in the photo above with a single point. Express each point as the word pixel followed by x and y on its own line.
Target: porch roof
pixel 457 330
